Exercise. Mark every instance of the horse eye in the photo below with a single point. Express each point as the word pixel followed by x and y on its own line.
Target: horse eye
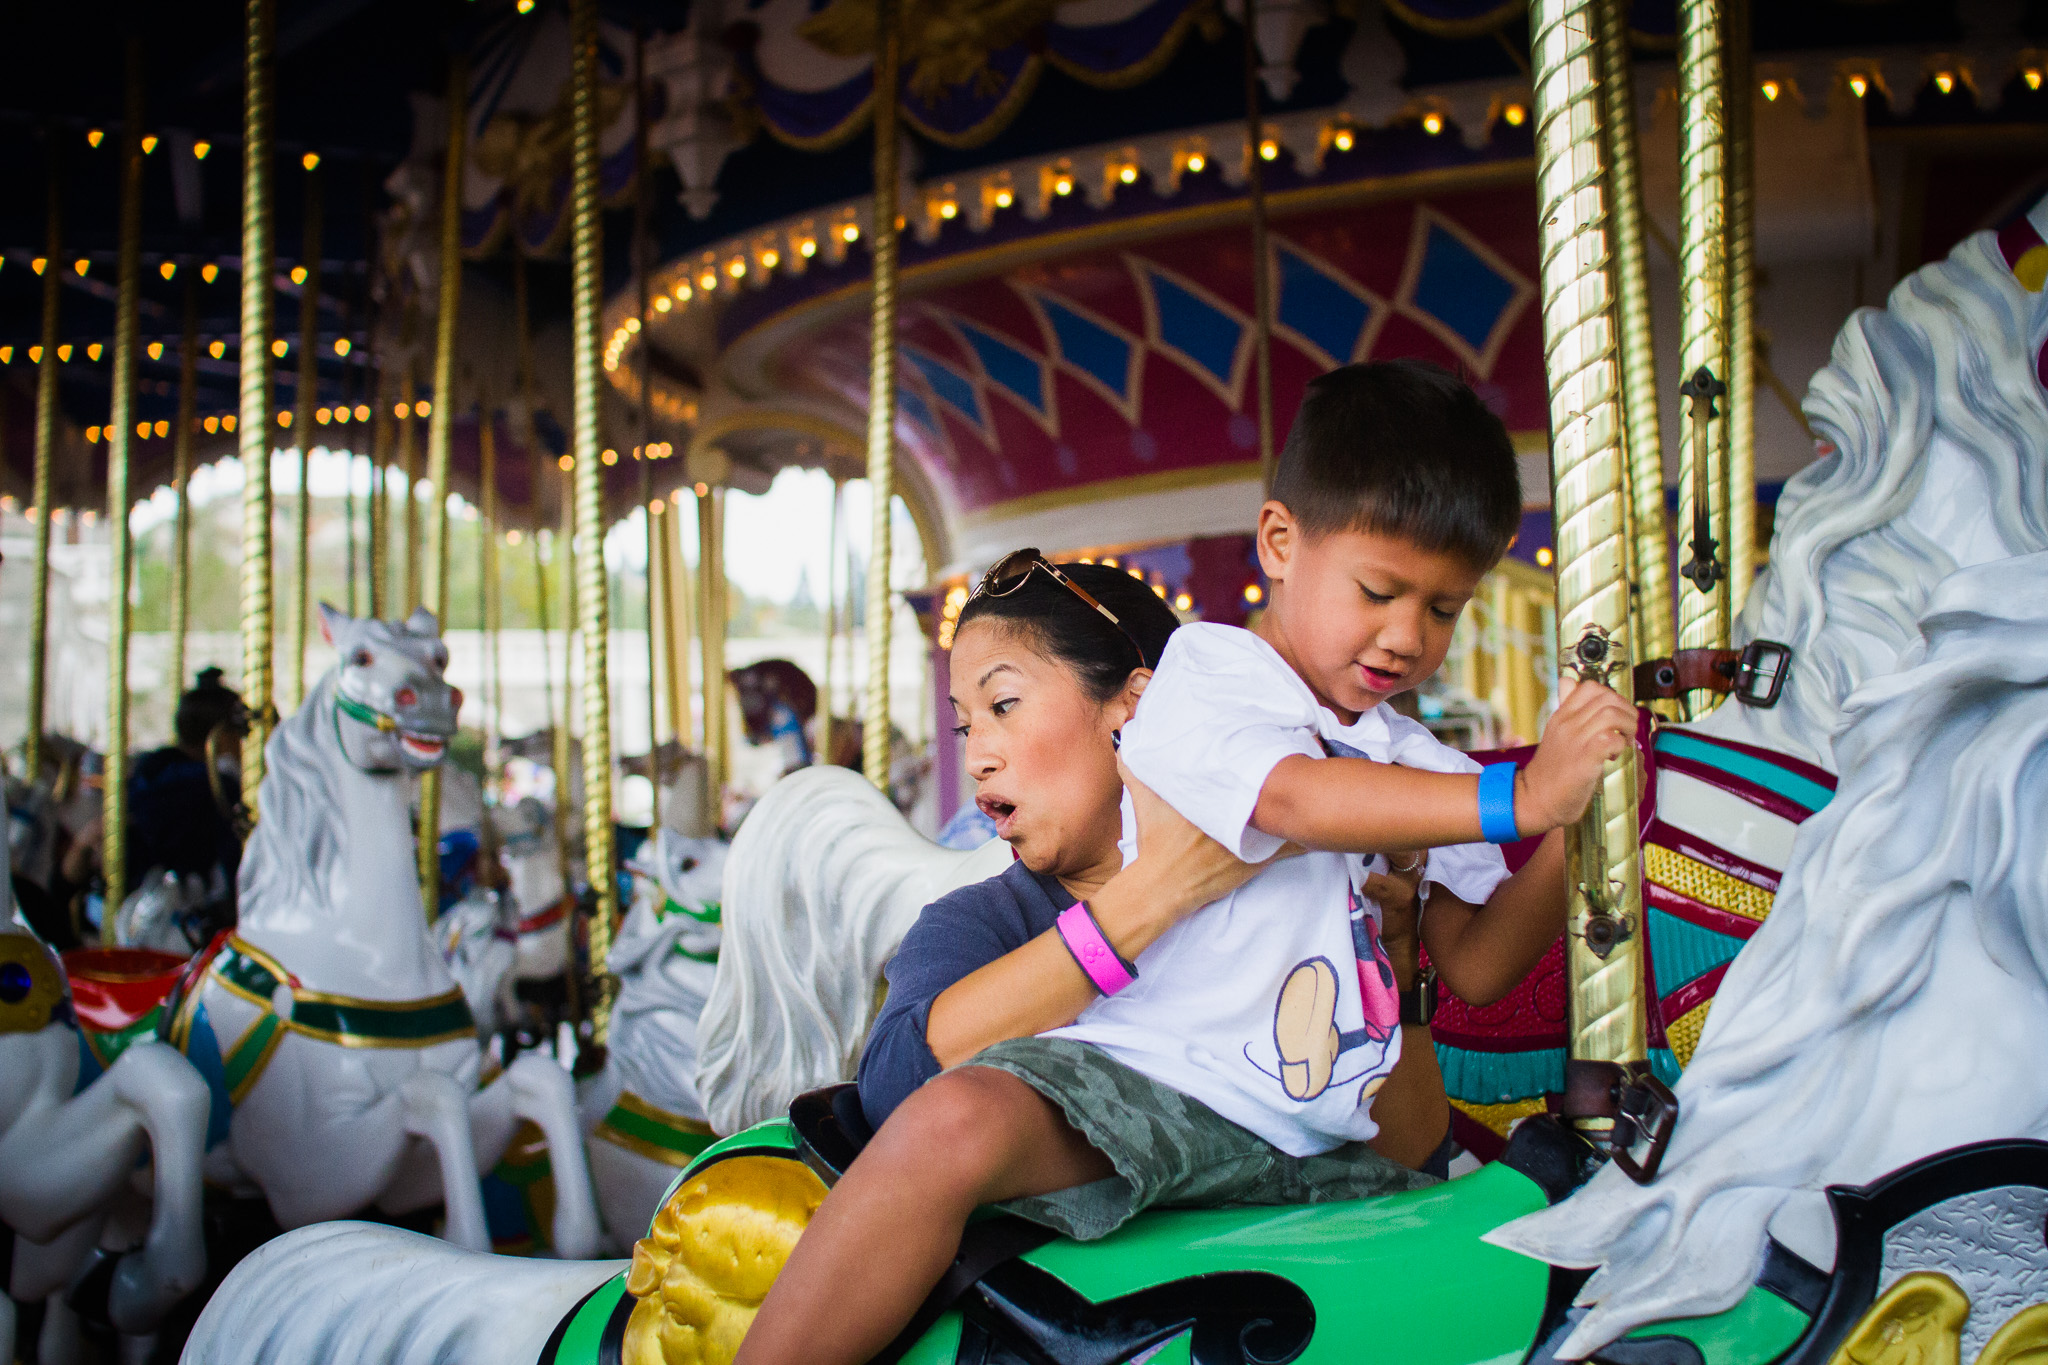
pixel 362 658
pixel 689 864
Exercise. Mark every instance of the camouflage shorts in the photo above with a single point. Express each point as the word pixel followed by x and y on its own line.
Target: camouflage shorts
pixel 1168 1149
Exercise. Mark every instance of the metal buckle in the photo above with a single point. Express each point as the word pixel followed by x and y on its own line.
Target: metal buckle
pixel 1419 1002
pixel 1760 673
pixel 1646 1113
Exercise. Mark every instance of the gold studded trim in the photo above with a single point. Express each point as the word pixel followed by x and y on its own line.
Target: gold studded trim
pixel 1693 879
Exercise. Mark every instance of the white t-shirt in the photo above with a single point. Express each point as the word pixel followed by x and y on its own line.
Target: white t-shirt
pixel 1274 1006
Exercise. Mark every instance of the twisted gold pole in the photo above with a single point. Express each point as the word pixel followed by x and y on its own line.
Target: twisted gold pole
pixel 1262 275
pixel 711 642
pixel 408 493
pixel 1581 359
pixel 649 509
pixel 302 428
pixel 440 438
pixel 252 430
pixel 181 480
pixel 1649 533
pixel 47 418
pixel 487 589
pixel 1741 489
pixel 565 554
pixel 831 624
pixel 121 417
pixel 594 608
pixel 1703 339
pixel 881 400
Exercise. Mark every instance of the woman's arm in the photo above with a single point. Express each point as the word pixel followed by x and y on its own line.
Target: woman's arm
pixel 1483 951
pixel 1037 987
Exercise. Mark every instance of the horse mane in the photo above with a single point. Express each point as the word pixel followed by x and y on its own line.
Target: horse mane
pixel 1951 355
pixel 823 880
pixel 299 835
pixel 1906 950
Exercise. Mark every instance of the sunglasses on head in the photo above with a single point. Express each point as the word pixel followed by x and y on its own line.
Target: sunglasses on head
pixel 1010 572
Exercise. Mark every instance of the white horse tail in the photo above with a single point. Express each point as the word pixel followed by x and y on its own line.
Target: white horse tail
pixel 823 881
pixel 351 1292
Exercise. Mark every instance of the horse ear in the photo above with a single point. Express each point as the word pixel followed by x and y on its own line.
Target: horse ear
pixel 423 622
pixel 331 621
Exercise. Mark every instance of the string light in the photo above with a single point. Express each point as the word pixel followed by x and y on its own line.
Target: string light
pixel 35 355
pixel 1254 594
pixel 148 143
pixel 209 272
pixel 227 422
pixel 217 348
pixel 1544 557
pixel 807 248
pixel 512 536
pixel 566 463
pixel 1196 162
pixel 662 304
pixel 1516 115
pixel 6 355
pixel 92 351
pixel 212 425
pixel 402 411
pixel 423 408
pixel 81 265
pixel 200 149
pixel 1859 86
pixel 525 6
pixel 162 427
pixel 1183 602
pixel 708 281
pixel 2032 76
pixel 632 325
pixel 323 416
pixel 770 259
pixel 1432 123
pixel 284 417
pixel 683 291
pixel 703 490
pixel 142 430
pixel 167 269
pixel 610 457
pixel 310 160
pixel 1129 175
pixel 298 274
pixel 279 347
pixel 1944 81
pixel 38 264
pixel 1064 185
pixel 92 436
pixel 342 414
pixel 1004 198
pixel 156 350
pixel 64 352
pixel 342 346
pixel 1269 149
pixel 362 412
pixel 94 137
pixel 1771 90
pixel 737 268
pixel 1342 140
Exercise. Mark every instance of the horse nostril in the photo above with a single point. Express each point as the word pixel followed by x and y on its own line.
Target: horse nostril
pixel 406 696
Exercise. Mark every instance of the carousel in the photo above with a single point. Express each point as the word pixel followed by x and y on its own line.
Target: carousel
pixel 434 1055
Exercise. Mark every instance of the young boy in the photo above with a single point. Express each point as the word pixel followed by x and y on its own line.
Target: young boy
pixel 1236 1061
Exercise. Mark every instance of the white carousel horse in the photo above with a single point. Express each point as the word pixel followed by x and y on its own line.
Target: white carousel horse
pixel 68 1157
pixel 1910 572
pixel 543 910
pixel 479 940
pixel 824 880
pixel 331 1018
pixel 642 1110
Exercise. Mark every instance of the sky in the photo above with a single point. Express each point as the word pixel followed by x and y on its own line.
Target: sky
pixel 770 541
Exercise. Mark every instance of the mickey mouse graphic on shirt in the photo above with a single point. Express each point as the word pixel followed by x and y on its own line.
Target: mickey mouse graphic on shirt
pixel 1305 1033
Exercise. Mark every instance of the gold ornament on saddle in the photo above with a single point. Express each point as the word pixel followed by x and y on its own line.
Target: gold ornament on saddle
pixel 31 984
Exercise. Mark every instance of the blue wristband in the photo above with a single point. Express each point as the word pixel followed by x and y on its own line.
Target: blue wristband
pixel 1497 804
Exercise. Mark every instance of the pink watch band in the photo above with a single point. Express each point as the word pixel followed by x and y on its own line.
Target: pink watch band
pixel 1083 937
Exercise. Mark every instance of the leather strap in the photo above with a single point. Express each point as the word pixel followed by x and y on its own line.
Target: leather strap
pixel 1689 670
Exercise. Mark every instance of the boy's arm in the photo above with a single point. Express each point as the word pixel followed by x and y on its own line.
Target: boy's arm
pixel 1354 805
pixel 1481 952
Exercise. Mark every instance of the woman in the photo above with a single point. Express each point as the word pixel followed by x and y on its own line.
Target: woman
pixel 1046 669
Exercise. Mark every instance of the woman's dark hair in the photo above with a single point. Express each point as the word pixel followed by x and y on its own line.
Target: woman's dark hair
pixel 204 707
pixel 1061 626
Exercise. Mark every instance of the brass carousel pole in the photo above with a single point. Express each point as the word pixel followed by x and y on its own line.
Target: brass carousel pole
pixel 252 430
pixel 487 574
pixel 114 794
pixel 409 483
pixel 1651 536
pixel 595 614
pixel 831 623
pixel 711 643
pixel 440 437
pixel 1262 275
pixel 181 480
pixel 1703 333
pixel 564 751
pixel 1741 284
pixel 881 399
pixel 1604 965
pixel 302 428
pixel 47 418
pixel 379 508
pixel 644 454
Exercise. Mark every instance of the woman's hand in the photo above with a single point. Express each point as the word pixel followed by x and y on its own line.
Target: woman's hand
pixel 1397 892
pixel 1189 868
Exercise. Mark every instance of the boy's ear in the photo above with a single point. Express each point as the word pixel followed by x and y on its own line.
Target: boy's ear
pixel 1277 538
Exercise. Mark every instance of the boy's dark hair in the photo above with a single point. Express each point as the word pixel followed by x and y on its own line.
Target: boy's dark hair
pixel 204 707
pixel 1402 447
pixel 1062 626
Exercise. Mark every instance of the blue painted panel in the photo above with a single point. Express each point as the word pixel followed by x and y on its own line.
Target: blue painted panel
pixel 1794 787
pixel 1205 333
pixel 1091 348
pixel 948 383
pixel 1459 289
pixel 1319 307
pixel 1681 951
pixel 1010 366
pixel 911 405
